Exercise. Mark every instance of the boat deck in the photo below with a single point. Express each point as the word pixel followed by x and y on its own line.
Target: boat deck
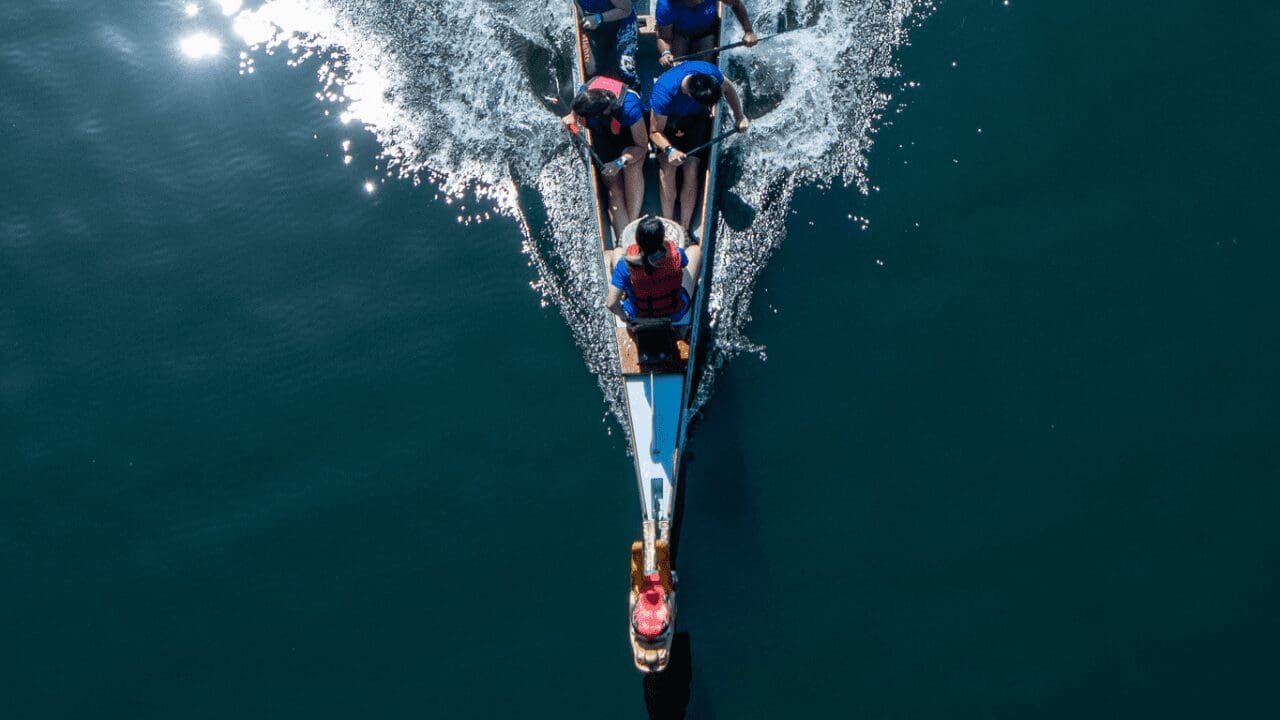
pixel 630 358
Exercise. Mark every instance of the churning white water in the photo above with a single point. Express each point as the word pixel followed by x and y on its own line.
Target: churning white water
pixel 450 89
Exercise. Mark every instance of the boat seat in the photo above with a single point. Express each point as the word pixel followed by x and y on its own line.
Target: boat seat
pixel 655 340
pixel 629 355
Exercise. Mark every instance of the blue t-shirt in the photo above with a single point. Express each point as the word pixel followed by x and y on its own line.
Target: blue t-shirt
pixel 666 98
pixel 632 112
pixel 621 279
pixel 687 20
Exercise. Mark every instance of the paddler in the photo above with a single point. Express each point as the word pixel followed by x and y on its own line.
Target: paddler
pixel 655 277
pixel 688 26
pixel 609 38
pixel 615 114
pixel 681 103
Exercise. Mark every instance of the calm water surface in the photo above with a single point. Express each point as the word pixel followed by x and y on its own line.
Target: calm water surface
pixel 275 446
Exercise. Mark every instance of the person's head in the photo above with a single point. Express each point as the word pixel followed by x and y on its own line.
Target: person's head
pixel 703 88
pixel 651 238
pixel 593 103
pixel 650 234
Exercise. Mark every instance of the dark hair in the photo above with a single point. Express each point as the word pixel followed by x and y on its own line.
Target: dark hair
pixel 704 89
pixel 592 103
pixel 651 237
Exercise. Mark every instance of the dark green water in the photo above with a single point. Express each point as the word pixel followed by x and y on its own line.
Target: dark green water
pixel 271 446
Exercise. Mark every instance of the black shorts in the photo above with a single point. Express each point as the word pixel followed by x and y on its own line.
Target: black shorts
pixel 614 46
pixel 687 133
pixel 609 146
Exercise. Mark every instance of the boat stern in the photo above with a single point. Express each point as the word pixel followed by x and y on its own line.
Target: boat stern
pixel 652 604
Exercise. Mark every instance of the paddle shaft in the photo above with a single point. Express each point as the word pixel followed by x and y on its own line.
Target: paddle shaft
pixel 583 141
pixel 730 46
pixel 553 104
pixel 712 141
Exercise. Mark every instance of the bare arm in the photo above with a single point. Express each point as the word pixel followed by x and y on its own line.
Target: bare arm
pixel 740 12
pixel 731 96
pixel 665 59
pixel 633 154
pixel 658 123
pixel 621 9
pixel 613 302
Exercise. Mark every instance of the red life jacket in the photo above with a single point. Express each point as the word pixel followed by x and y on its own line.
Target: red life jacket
pixel 619 91
pixel 657 293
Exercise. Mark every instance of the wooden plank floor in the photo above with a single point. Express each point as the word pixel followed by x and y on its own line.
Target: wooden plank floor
pixel 631 362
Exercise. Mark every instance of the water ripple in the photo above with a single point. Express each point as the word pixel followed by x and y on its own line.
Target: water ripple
pixel 449 90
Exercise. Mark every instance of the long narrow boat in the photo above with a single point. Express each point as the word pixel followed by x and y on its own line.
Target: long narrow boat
pixel 658 367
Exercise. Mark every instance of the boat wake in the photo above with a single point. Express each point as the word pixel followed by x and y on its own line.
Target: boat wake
pixel 451 89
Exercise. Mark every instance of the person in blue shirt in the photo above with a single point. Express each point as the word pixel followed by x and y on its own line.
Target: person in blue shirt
pixel 686 26
pixel 615 115
pixel 610 38
pixel 681 104
pixel 654 277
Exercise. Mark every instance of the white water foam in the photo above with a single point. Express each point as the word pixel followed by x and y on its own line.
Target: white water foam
pixel 450 89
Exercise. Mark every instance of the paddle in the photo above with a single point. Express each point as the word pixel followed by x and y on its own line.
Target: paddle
pixel 730 46
pixel 575 131
pixel 713 141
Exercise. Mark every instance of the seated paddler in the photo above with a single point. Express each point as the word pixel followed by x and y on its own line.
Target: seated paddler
pixel 682 100
pixel 609 38
pixel 615 115
pixel 654 277
pixel 690 26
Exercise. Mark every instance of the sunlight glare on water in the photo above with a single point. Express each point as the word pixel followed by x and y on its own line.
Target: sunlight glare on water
pixel 450 91
pixel 200 45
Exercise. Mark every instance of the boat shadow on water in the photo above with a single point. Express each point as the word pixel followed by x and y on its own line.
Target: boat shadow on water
pixel 666 694
pixel 716 482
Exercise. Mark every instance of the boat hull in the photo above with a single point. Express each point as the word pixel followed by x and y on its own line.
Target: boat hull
pixel 658 395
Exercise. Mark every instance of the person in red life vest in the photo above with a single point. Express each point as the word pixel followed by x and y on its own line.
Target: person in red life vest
pixel 689 26
pixel 655 277
pixel 615 115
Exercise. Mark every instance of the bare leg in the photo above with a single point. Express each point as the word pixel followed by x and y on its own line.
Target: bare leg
pixel 667 186
pixel 690 281
pixel 617 204
pixel 634 182
pixel 688 191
